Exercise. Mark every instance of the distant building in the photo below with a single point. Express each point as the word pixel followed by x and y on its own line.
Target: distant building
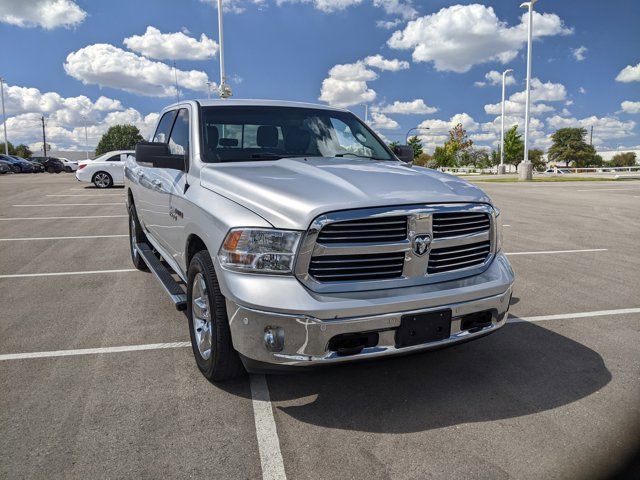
pixel 74 155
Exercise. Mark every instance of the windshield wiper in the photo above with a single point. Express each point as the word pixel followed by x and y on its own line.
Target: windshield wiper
pixel 276 156
pixel 356 155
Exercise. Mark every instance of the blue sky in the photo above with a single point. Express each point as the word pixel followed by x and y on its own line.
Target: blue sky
pixel 414 63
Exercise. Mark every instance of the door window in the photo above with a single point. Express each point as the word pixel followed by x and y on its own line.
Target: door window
pixel 164 127
pixel 179 139
pixel 115 158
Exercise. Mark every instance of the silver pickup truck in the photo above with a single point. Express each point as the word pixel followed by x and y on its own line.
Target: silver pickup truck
pixel 292 236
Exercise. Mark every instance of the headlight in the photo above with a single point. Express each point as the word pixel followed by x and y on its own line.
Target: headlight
pixel 498 230
pixel 259 250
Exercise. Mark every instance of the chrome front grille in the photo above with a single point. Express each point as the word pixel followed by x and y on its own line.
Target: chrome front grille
pixel 379 248
pixel 452 224
pixel 345 268
pixel 455 258
pixel 368 230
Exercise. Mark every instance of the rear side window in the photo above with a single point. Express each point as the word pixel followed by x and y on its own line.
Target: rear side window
pixel 115 158
pixel 164 127
pixel 179 140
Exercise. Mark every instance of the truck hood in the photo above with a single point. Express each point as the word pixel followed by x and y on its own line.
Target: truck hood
pixel 290 193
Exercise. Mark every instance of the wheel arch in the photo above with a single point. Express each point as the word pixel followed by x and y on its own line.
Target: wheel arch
pixel 194 245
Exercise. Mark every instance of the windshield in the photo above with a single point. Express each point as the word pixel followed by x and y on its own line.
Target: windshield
pixel 238 133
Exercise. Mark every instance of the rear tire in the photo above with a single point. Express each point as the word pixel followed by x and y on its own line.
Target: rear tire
pixel 102 180
pixel 136 235
pixel 208 323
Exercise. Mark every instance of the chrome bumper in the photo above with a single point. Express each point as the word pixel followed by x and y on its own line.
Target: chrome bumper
pixel 306 336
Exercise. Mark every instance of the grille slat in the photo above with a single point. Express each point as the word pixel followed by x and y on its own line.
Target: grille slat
pixel 455 258
pixel 452 224
pixel 377 230
pixel 356 267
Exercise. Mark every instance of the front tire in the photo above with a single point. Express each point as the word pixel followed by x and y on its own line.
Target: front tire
pixel 102 180
pixel 136 235
pixel 51 170
pixel 208 324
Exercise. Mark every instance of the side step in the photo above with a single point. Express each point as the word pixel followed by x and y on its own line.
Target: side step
pixel 175 291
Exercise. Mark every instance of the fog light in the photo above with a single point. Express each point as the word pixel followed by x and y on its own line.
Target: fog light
pixel 274 338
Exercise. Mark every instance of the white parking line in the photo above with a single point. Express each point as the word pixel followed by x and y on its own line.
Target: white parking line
pixel 260 391
pixel 60 238
pixel 61 218
pixel 559 251
pixel 85 195
pixel 567 316
pixel 606 189
pixel 93 351
pixel 57 274
pixel 69 205
pixel 268 442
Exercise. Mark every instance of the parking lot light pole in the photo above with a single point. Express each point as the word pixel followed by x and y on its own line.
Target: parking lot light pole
pixel 224 90
pixel 526 168
pixel 4 118
pixel 406 138
pixel 501 168
pixel 86 138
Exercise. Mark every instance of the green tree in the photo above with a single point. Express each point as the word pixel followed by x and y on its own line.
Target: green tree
pixel 422 160
pixel 119 137
pixel 627 159
pixel 459 142
pixel 513 147
pixel 443 159
pixel 393 145
pixel 569 145
pixel 535 157
pixel 416 143
pixel 23 151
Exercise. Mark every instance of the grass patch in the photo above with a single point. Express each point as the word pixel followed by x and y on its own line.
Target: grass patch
pixel 556 179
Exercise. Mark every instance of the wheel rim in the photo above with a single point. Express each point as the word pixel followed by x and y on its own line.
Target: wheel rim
pixel 102 180
pixel 201 316
pixel 134 243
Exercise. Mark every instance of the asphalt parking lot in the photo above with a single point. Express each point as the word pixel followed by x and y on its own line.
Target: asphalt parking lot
pixel 554 394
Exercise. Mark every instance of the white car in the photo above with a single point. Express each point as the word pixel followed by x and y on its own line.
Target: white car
pixel 106 170
pixel 69 165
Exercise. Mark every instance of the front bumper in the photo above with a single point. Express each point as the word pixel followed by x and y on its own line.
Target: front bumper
pixel 319 318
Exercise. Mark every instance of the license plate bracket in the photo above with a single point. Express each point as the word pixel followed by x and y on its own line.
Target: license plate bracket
pixel 419 328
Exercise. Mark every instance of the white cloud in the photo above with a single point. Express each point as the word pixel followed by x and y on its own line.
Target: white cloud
pixel 382 122
pixel 630 107
pixel 443 126
pixel 381 63
pixel 347 85
pixel 65 118
pixel 397 7
pixel 388 24
pixel 630 73
pixel 47 14
pixel 579 53
pixel 540 92
pixel 414 107
pixel 495 78
pixel 171 46
pixel 20 100
pixel 604 128
pixel 458 37
pixel 109 66
pixel 582 90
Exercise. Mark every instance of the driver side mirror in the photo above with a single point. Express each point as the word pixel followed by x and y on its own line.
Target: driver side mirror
pixel 404 153
pixel 158 155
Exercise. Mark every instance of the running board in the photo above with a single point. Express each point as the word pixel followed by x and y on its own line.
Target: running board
pixel 175 291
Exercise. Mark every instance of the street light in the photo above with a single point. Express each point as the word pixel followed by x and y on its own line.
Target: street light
pixel 502 168
pixel 4 119
pixel 406 140
pixel 224 90
pixel 526 168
